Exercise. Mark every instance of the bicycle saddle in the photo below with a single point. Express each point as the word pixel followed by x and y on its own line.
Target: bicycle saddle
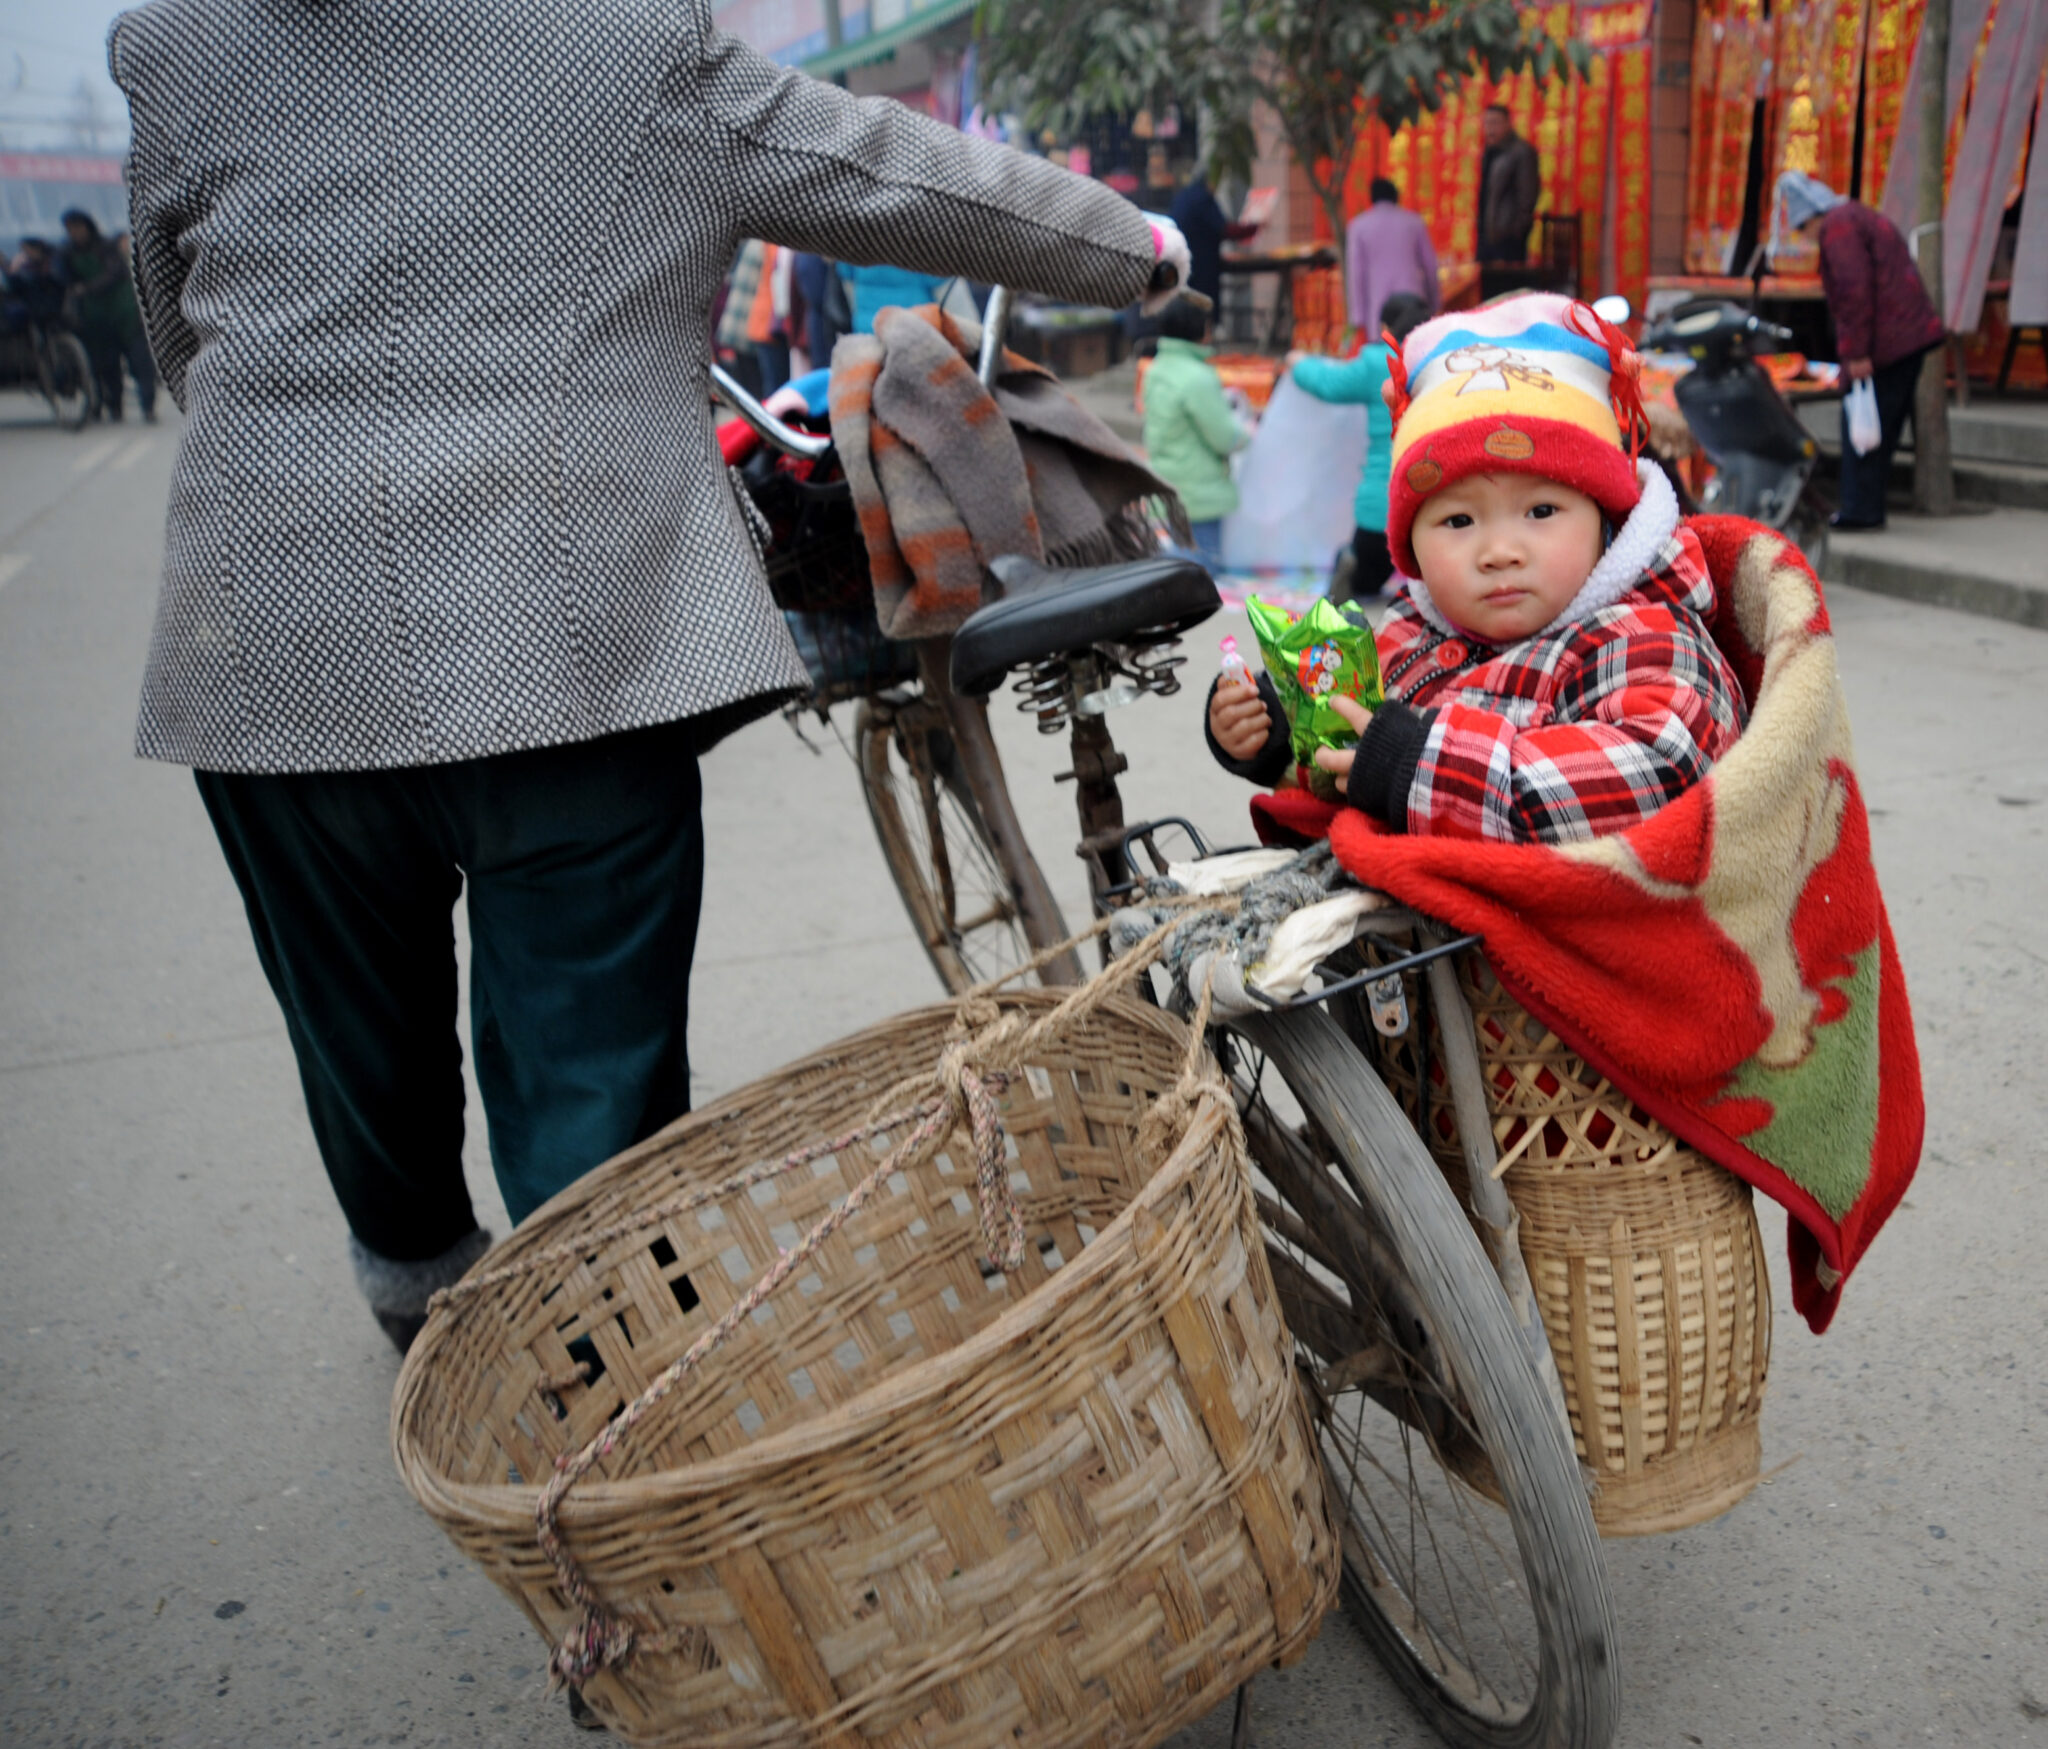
pixel 1046 612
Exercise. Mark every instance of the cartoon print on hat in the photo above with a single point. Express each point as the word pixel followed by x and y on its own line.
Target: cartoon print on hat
pixel 1489 367
pixel 1509 445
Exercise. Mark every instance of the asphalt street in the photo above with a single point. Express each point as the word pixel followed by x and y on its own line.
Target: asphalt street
pixel 202 1537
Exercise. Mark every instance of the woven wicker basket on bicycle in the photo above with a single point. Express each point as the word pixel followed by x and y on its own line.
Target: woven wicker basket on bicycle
pixel 1664 1380
pixel 911 1501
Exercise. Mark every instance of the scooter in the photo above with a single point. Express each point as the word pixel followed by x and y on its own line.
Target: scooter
pixel 1763 456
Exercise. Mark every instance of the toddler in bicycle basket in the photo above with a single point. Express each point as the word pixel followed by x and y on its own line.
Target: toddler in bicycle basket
pixel 1549 670
pixel 1616 747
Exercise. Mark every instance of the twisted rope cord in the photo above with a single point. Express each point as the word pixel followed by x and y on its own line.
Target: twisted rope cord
pixel 601 1635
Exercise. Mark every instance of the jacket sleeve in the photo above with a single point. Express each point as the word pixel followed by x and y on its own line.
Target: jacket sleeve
pixel 1212 418
pixel 1345 380
pixel 1528 188
pixel 159 208
pixel 1849 273
pixel 867 180
pixel 1642 720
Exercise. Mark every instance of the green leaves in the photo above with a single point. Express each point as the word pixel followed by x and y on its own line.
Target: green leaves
pixel 1311 60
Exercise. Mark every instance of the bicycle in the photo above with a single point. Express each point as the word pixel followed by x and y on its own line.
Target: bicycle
pixel 50 361
pixel 1471 1559
pixel 928 764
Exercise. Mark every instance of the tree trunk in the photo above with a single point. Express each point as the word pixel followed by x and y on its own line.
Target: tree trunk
pixel 1934 481
pixel 1333 210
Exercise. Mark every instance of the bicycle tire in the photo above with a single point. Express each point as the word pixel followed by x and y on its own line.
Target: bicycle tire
pixel 940 853
pixel 64 374
pixel 1379 1187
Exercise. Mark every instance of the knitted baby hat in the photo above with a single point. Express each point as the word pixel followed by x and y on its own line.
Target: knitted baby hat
pixel 1536 384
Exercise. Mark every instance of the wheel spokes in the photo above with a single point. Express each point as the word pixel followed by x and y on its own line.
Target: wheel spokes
pixel 1431 1552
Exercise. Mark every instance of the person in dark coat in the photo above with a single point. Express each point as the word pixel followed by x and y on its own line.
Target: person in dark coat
pixel 1201 219
pixel 101 301
pixel 826 315
pixel 1885 324
pixel 1510 184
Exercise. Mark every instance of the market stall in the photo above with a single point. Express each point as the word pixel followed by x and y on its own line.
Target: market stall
pixel 1665 153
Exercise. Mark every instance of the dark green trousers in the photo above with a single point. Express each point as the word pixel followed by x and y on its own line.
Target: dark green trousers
pixel 584 868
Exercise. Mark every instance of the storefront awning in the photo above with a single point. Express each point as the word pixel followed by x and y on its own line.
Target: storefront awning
pixel 881 44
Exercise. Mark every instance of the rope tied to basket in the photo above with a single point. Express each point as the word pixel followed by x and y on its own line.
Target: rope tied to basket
pixel 987 1048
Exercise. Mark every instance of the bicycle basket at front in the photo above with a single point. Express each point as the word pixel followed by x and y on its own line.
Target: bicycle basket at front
pixel 817 561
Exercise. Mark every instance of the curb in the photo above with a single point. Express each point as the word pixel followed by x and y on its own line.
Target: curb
pixel 1986 597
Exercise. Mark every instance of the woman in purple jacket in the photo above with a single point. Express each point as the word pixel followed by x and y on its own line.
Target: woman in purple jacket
pixel 1884 325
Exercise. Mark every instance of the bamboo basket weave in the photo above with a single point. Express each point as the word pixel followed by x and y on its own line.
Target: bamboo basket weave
pixel 912 1501
pixel 1665 1380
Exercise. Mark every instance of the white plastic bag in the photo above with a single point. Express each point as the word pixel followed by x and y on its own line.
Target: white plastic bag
pixel 1298 482
pixel 1865 430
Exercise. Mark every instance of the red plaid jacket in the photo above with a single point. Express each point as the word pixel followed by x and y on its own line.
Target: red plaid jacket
pixel 1582 733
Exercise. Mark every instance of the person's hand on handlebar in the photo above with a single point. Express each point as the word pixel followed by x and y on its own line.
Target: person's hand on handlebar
pixel 1170 269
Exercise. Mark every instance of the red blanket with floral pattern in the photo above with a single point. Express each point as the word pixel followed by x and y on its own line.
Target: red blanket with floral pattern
pixel 1727 963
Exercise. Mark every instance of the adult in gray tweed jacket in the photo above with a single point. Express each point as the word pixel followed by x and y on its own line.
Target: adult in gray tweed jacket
pixel 455 588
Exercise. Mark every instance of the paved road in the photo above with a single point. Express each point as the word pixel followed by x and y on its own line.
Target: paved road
pixel 205 1543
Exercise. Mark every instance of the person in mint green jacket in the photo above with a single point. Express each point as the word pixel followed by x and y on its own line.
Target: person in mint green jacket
pixel 1190 431
pixel 1362 379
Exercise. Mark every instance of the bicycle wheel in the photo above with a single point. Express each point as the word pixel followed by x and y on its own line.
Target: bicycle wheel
pixel 1470 1558
pixel 937 846
pixel 64 374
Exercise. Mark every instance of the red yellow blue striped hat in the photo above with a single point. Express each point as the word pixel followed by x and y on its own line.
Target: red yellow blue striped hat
pixel 1536 384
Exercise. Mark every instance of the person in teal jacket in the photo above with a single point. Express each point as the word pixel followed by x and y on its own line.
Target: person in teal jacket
pixel 1362 379
pixel 1190 431
pixel 876 289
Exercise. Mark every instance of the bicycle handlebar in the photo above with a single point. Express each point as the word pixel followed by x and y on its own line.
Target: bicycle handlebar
pixel 811 445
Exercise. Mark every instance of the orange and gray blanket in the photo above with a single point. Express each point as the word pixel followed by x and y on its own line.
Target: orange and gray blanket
pixel 946 477
pixel 1727 963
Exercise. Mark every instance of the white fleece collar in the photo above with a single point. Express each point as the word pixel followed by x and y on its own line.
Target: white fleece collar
pixel 1629 557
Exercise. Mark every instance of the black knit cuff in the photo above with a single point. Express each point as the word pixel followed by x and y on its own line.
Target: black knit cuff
pixel 1267 766
pixel 1384 770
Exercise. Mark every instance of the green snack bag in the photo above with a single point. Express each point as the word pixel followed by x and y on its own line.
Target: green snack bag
pixel 1312 659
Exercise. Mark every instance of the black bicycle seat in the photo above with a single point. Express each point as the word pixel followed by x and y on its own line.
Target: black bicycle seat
pixel 1046 612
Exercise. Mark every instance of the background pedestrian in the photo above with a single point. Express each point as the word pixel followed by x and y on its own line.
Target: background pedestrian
pixel 1510 184
pixel 1885 324
pixel 100 300
pixel 1362 379
pixel 1387 253
pixel 1200 218
pixel 1190 431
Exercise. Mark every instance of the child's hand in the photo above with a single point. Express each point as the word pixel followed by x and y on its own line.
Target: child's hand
pixel 1239 720
pixel 1335 760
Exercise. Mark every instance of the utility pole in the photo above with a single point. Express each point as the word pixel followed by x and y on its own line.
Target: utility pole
pixel 1934 480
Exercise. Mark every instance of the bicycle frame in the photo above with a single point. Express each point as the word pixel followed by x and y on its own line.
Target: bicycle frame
pixel 981 762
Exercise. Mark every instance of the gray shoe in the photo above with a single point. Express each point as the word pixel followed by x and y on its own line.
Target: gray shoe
pixel 399 1292
pixel 401 1327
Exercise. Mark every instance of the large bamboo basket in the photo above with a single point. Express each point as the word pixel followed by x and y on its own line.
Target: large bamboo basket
pixel 1664 1380
pixel 912 1502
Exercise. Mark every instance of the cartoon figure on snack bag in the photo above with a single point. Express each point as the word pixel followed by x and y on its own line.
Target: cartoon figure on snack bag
pixel 1320 666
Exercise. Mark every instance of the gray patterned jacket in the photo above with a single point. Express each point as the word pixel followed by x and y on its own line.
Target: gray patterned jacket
pixel 432 281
